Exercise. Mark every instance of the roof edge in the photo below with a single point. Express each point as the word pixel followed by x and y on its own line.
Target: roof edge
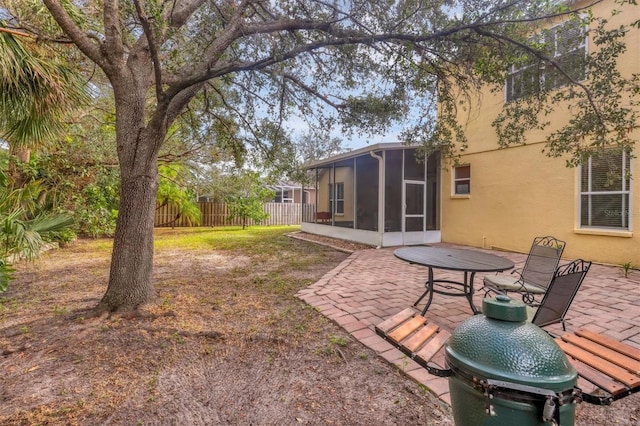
pixel 357 152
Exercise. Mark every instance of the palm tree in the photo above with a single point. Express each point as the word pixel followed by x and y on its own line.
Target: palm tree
pixel 36 91
pixel 23 228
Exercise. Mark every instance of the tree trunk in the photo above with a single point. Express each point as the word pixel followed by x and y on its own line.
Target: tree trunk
pixel 20 156
pixel 130 278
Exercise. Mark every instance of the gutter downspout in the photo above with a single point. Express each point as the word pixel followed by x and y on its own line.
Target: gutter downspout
pixel 380 196
pixel 315 218
pixel 302 203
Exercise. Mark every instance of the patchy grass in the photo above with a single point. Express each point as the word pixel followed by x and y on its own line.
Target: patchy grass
pixel 253 240
pixel 226 333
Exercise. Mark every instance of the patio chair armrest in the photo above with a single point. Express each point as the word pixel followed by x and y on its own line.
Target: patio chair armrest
pixel 490 290
pixel 513 271
pixel 517 271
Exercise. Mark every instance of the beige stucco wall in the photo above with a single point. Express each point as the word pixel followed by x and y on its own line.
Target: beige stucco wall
pixel 519 193
pixel 344 175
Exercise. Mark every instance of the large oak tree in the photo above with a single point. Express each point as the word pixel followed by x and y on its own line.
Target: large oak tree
pixel 357 65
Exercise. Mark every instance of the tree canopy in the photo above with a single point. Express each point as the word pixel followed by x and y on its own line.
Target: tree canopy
pixel 252 65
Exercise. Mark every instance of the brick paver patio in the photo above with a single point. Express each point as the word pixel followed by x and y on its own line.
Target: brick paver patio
pixel 372 285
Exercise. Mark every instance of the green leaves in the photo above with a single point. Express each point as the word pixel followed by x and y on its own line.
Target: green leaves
pixel 23 227
pixel 172 192
pixel 354 66
pixel 6 274
pixel 36 90
pixel 246 199
pixel 603 105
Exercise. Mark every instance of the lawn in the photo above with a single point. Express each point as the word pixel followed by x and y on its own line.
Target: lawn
pixel 227 341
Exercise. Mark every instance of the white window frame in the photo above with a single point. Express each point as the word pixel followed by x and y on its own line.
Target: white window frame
pixel 457 180
pixel 337 190
pixel 540 70
pixel 285 198
pixel 625 207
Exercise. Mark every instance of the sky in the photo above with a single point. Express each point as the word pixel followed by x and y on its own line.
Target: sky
pixel 299 127
pixel 356 142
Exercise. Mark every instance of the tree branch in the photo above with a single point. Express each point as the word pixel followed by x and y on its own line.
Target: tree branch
pixel 153 49
pixel 242 118
pixel 237 29
pixel 551 61
pixel 310 90
pixel 79 38
pixel 181 10
pixel 113 47
pixel 178 102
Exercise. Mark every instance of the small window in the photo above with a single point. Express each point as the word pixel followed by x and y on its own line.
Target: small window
pixel 462 180
pixel 287 196
pixel 336 193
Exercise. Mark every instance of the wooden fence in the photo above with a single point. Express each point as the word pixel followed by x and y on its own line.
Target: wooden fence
pixel 217 214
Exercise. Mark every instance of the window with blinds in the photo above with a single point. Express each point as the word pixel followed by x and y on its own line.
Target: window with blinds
pixel 566 45
pixel 604 190
pixel 462 180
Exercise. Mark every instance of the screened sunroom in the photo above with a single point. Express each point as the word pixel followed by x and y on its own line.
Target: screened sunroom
pixel 383 195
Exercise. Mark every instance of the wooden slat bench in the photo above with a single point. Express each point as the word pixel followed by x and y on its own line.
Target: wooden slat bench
pixel 607 369
pixel 603 364
pixel 416 337
pixel 323 217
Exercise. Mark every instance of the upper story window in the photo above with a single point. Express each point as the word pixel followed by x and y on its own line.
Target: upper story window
pixel 604 191
pixel 336 193
pixel 462 180
pixel 566 45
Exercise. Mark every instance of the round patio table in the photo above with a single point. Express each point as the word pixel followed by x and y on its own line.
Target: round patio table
pixel 467 261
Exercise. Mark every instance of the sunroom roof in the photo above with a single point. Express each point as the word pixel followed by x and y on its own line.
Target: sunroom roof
pixel 356 153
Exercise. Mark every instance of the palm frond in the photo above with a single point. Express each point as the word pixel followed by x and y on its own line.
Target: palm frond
pixel 6 274
pixel 45 223
pixel 36 91
pixel 24 238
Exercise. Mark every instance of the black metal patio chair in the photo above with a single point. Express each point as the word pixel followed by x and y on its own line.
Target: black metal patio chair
pixel 559 295
pixel 538 271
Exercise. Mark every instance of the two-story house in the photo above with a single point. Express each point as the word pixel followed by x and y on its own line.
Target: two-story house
pixel 502 198
pixel 495 197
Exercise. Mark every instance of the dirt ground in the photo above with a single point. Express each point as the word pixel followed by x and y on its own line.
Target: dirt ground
pixel 227 343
